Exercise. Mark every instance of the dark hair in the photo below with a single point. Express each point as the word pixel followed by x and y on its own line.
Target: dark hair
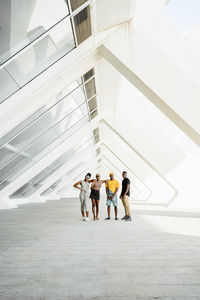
pixel 89 174
pixel 124 172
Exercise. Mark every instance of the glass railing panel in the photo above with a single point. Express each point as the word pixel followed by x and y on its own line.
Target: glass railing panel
pixel 44 145
pixel 52 168
pixel 75 127
pixel 55 44
pixel 7 85
pixel 50 44
pixel 36 152
pixel 62 96
pixel 53 186
pixel 17 166
pixel 16 130
pixel 54 115
pixel 26 21
pixel 11 168
pixel 5 155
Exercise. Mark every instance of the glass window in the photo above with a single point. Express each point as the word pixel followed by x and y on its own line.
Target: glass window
pixel 82 23
pixel 88 75
pixel 36 152
pixel 7 85
pixel 90 88
pixel 72 87
pixel 89 85
pixel 93 114
pixel 55 44
pixel 53 116
pixel 76 3
pixel 44 130
pixel 36 182
pixel 92 104
pixel 22 23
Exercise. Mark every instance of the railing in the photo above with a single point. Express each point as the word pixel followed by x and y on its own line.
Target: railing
pixel 35 57
pixel 60 162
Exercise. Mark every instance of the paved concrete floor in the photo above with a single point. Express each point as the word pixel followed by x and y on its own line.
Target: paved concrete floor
pixel 47 252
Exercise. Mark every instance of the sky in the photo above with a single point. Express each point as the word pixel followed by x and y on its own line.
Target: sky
pixel 184 15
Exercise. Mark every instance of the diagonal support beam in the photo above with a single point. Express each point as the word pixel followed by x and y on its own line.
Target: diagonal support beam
pixel 150 94
pixel 108 160
pixel 127 167
pixel 144 159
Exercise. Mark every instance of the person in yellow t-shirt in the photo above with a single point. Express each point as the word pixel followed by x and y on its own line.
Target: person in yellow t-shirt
pixel 112 187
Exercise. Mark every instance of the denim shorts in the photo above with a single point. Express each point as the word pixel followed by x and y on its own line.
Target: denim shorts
pixel 114 201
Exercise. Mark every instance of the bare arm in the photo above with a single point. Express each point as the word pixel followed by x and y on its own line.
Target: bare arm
pixel 76 185
pixel 91 180
pixel 92 185
pixel 107 192
pixel 115 192
pixel 104 181
pixel 127 189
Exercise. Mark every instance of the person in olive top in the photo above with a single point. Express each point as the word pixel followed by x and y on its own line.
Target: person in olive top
pixel 125 193
pixel 112 187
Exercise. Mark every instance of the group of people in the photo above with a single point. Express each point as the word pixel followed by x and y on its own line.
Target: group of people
pixel 112 187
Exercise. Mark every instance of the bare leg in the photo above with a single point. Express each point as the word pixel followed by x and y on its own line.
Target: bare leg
pixel 97 208
pixel 93 207
pixel 115 211
pixel 87 214
pixel 108 211
pixel 83 214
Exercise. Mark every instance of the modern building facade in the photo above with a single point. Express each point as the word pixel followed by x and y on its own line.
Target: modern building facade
pixel 98 86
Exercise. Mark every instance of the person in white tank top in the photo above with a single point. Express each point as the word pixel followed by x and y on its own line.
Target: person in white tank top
pixel 83 186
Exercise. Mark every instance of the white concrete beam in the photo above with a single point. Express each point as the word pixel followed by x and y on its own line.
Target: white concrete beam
pixel 150 94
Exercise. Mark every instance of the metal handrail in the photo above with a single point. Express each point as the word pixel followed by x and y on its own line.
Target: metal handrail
pixel 75 42
pixel 38 38
pixel 19 153
pixel 35 182
pixel 54 147
pixel 58 102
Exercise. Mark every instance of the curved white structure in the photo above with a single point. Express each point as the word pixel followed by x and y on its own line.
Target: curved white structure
pixel 100 86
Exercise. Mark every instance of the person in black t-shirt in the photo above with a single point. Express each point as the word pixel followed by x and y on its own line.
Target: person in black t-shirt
pixel 125 193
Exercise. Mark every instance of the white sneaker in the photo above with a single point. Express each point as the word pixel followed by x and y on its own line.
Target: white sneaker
pixel 87 219
pixel 83 219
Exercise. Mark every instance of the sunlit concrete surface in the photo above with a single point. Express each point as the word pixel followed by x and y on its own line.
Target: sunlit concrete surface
pixel 47 252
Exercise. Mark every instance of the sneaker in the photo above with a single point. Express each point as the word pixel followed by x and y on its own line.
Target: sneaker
pixel 128 219
pixel 87 219
pixel 107 218
pixel 83 218
pixel 116 218
pixel 94 219
pixel 123 218
pixel 97 218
